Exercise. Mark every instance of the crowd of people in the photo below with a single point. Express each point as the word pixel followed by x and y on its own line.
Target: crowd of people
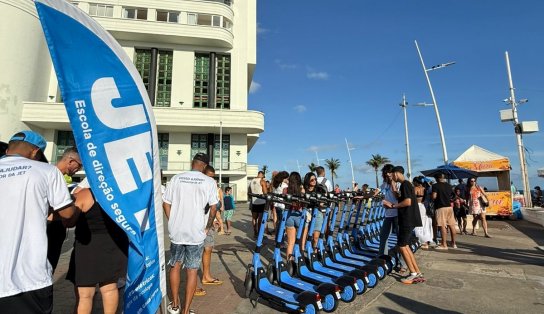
pixel 41 208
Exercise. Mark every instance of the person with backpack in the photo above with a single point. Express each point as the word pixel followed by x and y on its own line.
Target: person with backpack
pixel 320 171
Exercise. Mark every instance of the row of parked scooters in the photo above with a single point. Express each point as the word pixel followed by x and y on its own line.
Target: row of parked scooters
pixel 344 264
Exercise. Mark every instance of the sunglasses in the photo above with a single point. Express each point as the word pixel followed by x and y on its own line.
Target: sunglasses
pixel 312 179
pixel 79 165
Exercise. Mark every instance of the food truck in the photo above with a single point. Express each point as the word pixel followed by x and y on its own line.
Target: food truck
pixel 489 164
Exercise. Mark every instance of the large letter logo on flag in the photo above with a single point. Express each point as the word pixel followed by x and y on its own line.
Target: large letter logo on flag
pixel 116 136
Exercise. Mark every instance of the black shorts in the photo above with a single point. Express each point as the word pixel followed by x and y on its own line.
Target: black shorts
pixel 459 213
pixel 257 208
pixel 404 235
pixel 32 302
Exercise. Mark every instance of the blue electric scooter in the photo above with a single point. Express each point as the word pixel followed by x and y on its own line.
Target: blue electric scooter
pixel 308 302
pixel 277 271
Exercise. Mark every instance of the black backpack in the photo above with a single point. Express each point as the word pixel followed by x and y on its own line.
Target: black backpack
pixel 321 188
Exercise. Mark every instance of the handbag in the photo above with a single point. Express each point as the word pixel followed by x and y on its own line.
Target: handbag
pixel 483 201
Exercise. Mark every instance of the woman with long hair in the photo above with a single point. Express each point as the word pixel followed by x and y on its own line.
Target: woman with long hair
pixel 294 217
pixel 477 209
pixel 425 232
pixel 279 184
pixel 310 186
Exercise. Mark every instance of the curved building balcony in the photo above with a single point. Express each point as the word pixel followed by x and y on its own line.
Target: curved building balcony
pixel 53 116
pixel 168 33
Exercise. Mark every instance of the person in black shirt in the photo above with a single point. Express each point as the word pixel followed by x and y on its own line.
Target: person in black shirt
pixel 409 218
pixel 442 197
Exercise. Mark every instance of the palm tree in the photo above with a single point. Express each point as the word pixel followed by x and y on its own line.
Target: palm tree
pixel 265 170
pixel 333 164
pixel 376 162
pixel 312 167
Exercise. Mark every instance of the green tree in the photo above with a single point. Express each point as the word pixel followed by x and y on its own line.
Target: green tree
pixel 265 170
pixel 312 167
pixel 333 164
pixel 376 162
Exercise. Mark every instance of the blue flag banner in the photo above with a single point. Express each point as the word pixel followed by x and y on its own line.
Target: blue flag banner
pixel 116 135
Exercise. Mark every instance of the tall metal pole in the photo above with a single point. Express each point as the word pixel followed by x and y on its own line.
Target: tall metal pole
pixel 220 146
pixel 317 157
pixel 444 151
pixel 298 166
pixel 404 104
pixel 351 162
pixel 521 150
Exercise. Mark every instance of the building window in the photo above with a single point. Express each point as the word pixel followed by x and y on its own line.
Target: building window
pixel 64 140
pixel 163 139
pixel 223 82
pixel 204 19
pixel 135 13
pixel 166 16
pixel 226 151
pixel 164 79
pixel 163 88
pixel 227 23
pixel 216 20
pixel 202 69
pixel 199 144
pixel 192 18
pixel 102 10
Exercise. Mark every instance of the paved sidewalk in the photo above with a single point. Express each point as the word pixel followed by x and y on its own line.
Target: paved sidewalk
pixel 503 274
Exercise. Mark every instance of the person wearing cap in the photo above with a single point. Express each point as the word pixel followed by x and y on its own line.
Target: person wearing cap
pixel 409 218
pixel 189 219
pixel 29 189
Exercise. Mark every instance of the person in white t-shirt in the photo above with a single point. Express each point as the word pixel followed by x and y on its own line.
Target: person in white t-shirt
pixel 320 171
pixel 185 201
pixel 29 190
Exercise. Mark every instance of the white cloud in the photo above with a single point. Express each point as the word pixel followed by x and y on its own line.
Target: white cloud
pixel 300 108
pixel 285 66
pixel 254 87
pixel 322 148
pixel 261 30
pixel 314 75
pixel 261 142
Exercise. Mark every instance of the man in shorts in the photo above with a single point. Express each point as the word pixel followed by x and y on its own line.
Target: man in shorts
pixel 409 218
pixel 29 189
pixel 185 201
pixel 209 242
pixel 257 186
pixel 442 197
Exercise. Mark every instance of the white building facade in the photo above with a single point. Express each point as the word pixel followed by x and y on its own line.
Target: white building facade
pixel 196 59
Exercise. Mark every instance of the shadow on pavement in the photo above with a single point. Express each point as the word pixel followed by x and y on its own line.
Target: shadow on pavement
pixel 530 229
pixel 524 256
pixel 412 305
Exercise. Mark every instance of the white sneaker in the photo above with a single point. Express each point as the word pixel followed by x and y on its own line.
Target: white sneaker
pixel 172 310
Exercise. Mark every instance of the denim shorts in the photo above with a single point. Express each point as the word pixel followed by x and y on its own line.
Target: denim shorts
pixel 293 219
pixel 318 222
pixel 188 255
pixel 210 238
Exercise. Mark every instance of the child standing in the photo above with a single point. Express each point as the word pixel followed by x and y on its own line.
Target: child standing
pixel 228 201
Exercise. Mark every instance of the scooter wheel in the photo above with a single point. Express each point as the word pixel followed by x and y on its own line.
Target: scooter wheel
pixel 330 303
pixel 372 280
pixel 362 286
pixel 248 283
pixel 310 309
pixel 381 272
pixel 348 294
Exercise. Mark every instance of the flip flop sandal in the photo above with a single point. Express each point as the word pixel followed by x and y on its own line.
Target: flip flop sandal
pixel 199 292
pixel 214 282
pixel 192 312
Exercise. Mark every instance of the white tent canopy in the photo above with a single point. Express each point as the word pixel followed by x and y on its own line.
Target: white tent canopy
pixel 478 154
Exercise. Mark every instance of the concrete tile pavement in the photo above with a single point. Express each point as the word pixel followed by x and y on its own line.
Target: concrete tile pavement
pixel 498 275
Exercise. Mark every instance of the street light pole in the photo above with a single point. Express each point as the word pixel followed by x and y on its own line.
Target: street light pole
pixel 351 162
pixel 298 166
pixel 317 157
pixel 521 150
pixel 404 104
pixel 425 70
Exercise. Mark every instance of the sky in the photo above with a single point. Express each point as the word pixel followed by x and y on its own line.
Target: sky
pixel 334 70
